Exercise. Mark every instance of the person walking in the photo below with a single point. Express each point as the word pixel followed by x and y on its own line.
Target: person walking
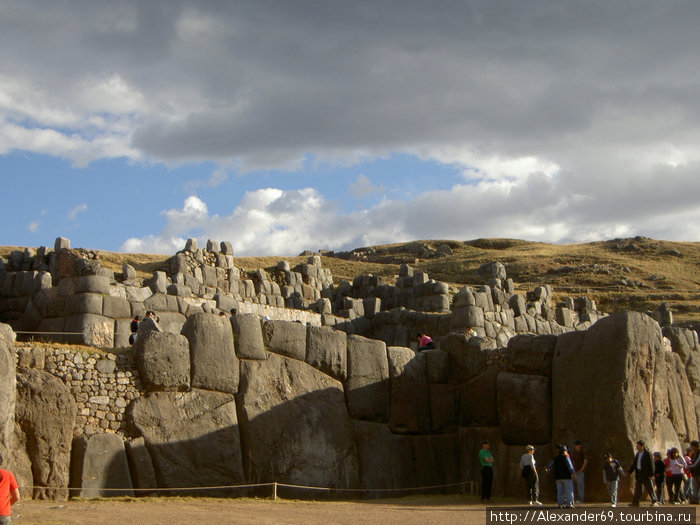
pixel 563 475
pixel 694 469
pixel 528 469
pixel 660 476
pixel 676 469
pixel 9 493
pixel 578 458
pixel 612 470
pixel 643 468
pixel 486 462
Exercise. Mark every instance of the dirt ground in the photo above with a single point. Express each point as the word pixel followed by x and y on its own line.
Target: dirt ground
pixel 168 511
pixel 415 510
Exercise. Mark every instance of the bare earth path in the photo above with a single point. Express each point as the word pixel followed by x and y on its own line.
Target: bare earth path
pixel 418 510
pixel 169 511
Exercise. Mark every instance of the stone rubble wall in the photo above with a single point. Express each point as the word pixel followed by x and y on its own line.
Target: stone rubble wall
pixel 103 384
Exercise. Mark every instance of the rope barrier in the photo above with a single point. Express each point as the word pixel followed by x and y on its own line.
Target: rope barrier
pixel 471 484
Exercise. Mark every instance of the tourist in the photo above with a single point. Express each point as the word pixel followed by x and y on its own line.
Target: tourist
pixel 578 458
pixel 612 470
pixel 676 468
pixel 660 476
pixel 425 342
pixel 486 462
pixel 643 468
pixel 134 327
pixel 687 485
pixel 694 469
pixel 528 470
pixel 563 476
pixel 9 493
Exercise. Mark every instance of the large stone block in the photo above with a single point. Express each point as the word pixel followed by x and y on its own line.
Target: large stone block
pixel 681 412
pixel 467 355
pixel 90 329
pixel 295 424
pixel 8 390
pixel 214 365
pixel 99 462
pixel 444 407
pixel 437 461
pixel 524 408
pixel 249 339
pixel 367 388
pixel 192 437
pixel 116 307
pixel 84 303
pixel 163 360
pixel 531 354
pixel 92 284
pixel 171 322
pixel 286 338
pixel 409 407
pixel 143 476
pixel 437 365
pixel 609 388
pixel 326 350
pixel 45 414
pixel 386 460
pixel 478 404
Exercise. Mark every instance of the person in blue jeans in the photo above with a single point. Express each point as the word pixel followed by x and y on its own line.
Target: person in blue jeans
pixel 578 459
pixel 612 470
pixel 564 474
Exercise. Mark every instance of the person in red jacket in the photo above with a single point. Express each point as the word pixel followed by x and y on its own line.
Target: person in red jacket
pixel 9 494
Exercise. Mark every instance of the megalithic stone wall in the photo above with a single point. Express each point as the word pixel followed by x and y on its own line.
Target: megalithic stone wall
pixel 400 419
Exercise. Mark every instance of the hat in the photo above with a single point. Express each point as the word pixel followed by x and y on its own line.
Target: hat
pixel 529 447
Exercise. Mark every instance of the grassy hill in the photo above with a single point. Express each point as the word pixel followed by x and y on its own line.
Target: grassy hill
pixel 637 274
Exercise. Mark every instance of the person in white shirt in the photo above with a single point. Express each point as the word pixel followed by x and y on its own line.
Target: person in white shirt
pixel 528 467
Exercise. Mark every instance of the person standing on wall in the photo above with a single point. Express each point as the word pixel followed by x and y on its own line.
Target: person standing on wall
pixel 9 493
pixel 578 458
pixel 486 462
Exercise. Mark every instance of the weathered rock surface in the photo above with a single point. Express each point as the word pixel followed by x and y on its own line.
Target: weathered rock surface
pixel 681 412
pixel 409 408
pixel 524 408
pixel 143 476
pixel 478 400
pixel 192 437
pixel 249 339
pixel 295 425
pixel 8 389
pixel 386 460
pixel 163 360
pixel 529 354
pixel 608 388
pixel 214 365
pixel 99 462
pixel 367 386
pixel 45 414
pixel 467 355
pixel 326 350
pixel 286 338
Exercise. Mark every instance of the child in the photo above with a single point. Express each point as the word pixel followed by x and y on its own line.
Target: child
pixel 611 475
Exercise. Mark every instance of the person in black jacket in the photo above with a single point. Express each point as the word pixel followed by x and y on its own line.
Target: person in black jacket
pixel 643 468
pixel 564 474
pixel 694 469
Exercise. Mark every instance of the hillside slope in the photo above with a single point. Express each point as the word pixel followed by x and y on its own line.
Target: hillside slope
pixel 637 274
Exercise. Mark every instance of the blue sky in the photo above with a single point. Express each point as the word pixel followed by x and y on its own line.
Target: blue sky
pixel 285 126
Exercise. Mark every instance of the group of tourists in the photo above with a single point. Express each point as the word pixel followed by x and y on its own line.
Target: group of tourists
pixel 678 473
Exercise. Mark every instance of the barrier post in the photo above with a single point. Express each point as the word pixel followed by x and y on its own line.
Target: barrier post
pixel 274 491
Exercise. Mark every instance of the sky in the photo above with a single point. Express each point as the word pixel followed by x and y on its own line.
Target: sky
pixel 288 125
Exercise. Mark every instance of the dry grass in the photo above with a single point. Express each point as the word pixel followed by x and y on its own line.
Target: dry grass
pixel 659 271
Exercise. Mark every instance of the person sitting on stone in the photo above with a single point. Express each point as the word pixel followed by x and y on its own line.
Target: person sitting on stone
pixel 134 326
pixel 425 342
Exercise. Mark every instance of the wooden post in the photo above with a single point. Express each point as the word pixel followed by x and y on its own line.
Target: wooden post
pixel 274 491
